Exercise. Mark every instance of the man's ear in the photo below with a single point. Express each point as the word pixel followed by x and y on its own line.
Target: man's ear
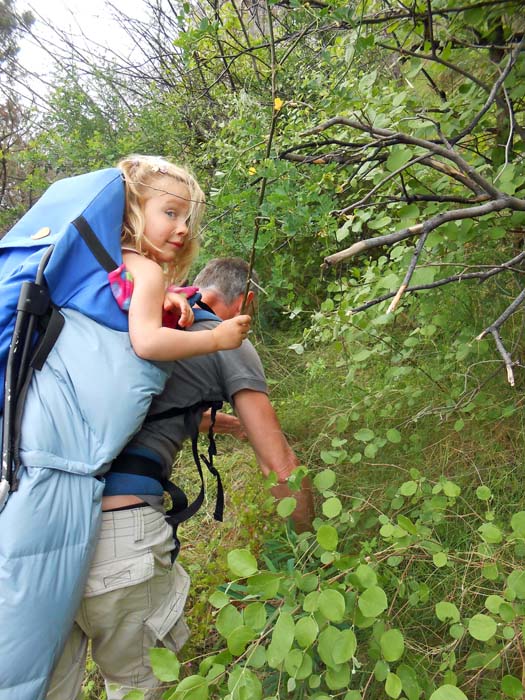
pixel 249 303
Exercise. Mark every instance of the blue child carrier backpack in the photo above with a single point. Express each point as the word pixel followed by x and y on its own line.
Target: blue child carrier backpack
pixel 75 393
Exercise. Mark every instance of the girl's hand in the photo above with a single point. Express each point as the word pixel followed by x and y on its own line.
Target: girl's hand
pixel 177 306
pixel 230 334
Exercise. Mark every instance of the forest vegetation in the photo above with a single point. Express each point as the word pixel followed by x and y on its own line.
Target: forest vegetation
pixel 368 158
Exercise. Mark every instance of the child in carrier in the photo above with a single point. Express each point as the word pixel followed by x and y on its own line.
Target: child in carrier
pixel 163 209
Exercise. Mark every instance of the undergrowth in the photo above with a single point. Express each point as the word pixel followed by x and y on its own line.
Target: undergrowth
pixel 416 498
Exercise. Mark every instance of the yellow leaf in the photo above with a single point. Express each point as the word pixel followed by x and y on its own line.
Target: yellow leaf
pixel 277 104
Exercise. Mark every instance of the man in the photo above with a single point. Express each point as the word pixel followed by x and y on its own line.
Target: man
pixel 134 597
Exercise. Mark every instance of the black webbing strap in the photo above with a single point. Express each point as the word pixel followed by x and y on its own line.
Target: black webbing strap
pixel 53 326
pixel 92 241
pixel 192 415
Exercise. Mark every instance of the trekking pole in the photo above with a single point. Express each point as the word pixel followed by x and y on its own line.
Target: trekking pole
pixel 33 301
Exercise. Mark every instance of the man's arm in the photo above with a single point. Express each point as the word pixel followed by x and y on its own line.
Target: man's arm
pixel 272 451
pixel 225 424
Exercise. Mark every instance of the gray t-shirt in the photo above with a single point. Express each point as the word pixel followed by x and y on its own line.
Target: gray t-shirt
pixel 217 377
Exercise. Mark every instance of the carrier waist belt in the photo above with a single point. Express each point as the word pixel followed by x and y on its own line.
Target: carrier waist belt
pixel 142 466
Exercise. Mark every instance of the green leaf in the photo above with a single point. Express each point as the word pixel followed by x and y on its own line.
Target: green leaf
pixel 399 156
pixel 393 435
pixel 373 601
pixel 482 627
pixel 324 480
pixel 264 585
pixel 332 507
pixel 483 493
pixel 286 506
pixel 254 615
pixel 366 576
pixel 282 639
pixel 228 619
pixel 218 599
pixel 242 563
pixel 512 687
pixel 306 631
pixel 364 435
pixel 191 688
pixel 516 583
pixel 490 533
pixel 165 664
pixel 447 612
pixel 393 686
pixel 239 639
pixel 332 605
pixel 328 640
pixel 134 695
pixel 327 537
pixel 448 692
pixel 517 523
pixel 392 645
pixel 243 684
pixel 451 489
pixel 408 488
pixel 440 559
pixel 337 678
pixel 298 664
pixel 346 647
pixel 409 681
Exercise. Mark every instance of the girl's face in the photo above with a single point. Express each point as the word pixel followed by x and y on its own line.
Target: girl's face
pixel 166 213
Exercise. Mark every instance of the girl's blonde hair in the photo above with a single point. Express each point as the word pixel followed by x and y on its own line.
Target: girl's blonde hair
pixel 140 175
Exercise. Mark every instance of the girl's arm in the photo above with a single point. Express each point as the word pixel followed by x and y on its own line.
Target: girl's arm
pixel 148 337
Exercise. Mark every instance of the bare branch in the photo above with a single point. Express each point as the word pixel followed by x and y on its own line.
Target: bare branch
pixel 424 228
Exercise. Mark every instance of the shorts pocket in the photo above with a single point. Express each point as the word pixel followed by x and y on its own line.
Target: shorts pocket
pixel 167 621
pixel 119 573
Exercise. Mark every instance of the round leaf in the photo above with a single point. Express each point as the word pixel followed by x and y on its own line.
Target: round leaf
pixel 239 639
pixel 165 664
pixel 191 688
pixel 517 523
pixel 447 612
pixel 228 619
pixel 393 686
pixel 328 641
pixel 512 687
pixel 332 605
pixel 306 631
pixel 373 601
pixel 448 692
pixel 338 678
pixel 346 647
pixel 324 480
pixel 327 537
pixel 242 563
pixel 482 627
pixel 392 645
pixel 332 507
pixel 364 435
pixel 254 616
pixel 393 435
pixel 286 506
pixel 516 583
pixel 282 639
pixel 483 493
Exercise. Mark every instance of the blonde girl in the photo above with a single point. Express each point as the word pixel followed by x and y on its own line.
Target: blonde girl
pixel 160 240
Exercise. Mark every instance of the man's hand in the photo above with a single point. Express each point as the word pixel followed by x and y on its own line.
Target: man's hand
pixel 273 452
